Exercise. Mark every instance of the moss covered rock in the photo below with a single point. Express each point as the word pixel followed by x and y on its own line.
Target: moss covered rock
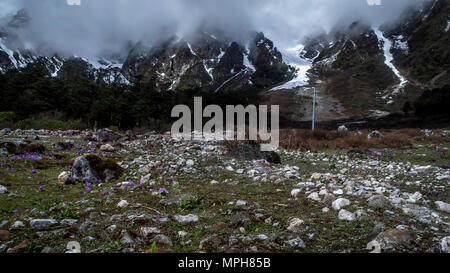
pixel 91 168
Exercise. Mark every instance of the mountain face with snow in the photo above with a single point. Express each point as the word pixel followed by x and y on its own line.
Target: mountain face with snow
pixel 383 67
pixel 207 62
pixel 362 66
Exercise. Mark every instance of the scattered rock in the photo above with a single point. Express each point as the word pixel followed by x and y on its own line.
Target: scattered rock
pixel 296 243
pixel 295 192
pixel 342 129
pixel 107 148
pixel 69 222
pixel 18 224
pixel 378 201
pixel 445 245
pixel 191 218
pixel 3 190
pixel 162 239
pixel 375 134
pixel 314 196
pixel 47 250
pixel 63 178
pixel 253 152
pixel 294 224
pixel 106 135
pixel 340 203
pixel 239 218
pixel 443 206
pixel 393 239
pixel 147 231
pixel 210 243
pixel 43 223
pixel 126 238
pixel 346 215
pixel 123 204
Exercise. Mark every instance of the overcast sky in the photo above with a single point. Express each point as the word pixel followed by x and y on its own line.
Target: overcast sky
pixel 87 27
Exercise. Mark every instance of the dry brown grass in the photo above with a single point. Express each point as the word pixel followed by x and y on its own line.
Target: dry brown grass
pixel 324 139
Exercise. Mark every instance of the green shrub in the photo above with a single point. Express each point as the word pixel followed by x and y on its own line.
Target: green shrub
pixel 6 117
pixel 50 124
pixel 434 102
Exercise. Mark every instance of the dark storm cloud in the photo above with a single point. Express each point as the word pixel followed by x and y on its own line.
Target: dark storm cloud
pixel 108 25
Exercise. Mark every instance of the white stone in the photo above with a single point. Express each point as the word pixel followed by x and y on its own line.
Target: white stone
pixel 190 163
pixel 146 231
pixel 111 228
pixel 107 148
pixel 123 204
pixel 182 234
pixel 415 197
pixel 241 203
pixel 445 245
pixel 314 196
pixel 340 203
pixel 62 177
pixel 295 192
pixel 443 206
pixel 191 218
pixel 338 192
pixel 346 215
pixel 325 210
pixel 18 224
pixel 3 189
pixel 294 224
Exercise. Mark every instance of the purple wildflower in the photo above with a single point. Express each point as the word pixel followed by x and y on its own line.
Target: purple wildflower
pixel 41 188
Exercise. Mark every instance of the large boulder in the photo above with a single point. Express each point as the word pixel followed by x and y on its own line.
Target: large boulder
pixel 106 135
pixel 375 134
pixel 17 146
pixel 253 152
pixel 394 239
pixel 5 131
pixel 91 168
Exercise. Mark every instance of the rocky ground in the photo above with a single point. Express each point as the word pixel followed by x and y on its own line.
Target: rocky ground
pixel 192 196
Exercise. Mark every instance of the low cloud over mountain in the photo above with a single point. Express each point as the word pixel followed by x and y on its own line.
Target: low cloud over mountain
pixel 105 26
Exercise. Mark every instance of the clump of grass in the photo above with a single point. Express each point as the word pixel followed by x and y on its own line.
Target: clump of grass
pixel 190 204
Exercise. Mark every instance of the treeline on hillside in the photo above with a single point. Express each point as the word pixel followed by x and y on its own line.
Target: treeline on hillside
pixel 32 99
pixel 434 102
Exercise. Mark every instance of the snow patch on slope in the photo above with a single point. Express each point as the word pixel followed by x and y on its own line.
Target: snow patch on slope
pixel 387 45
pixel 291 56
pixel 9 52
